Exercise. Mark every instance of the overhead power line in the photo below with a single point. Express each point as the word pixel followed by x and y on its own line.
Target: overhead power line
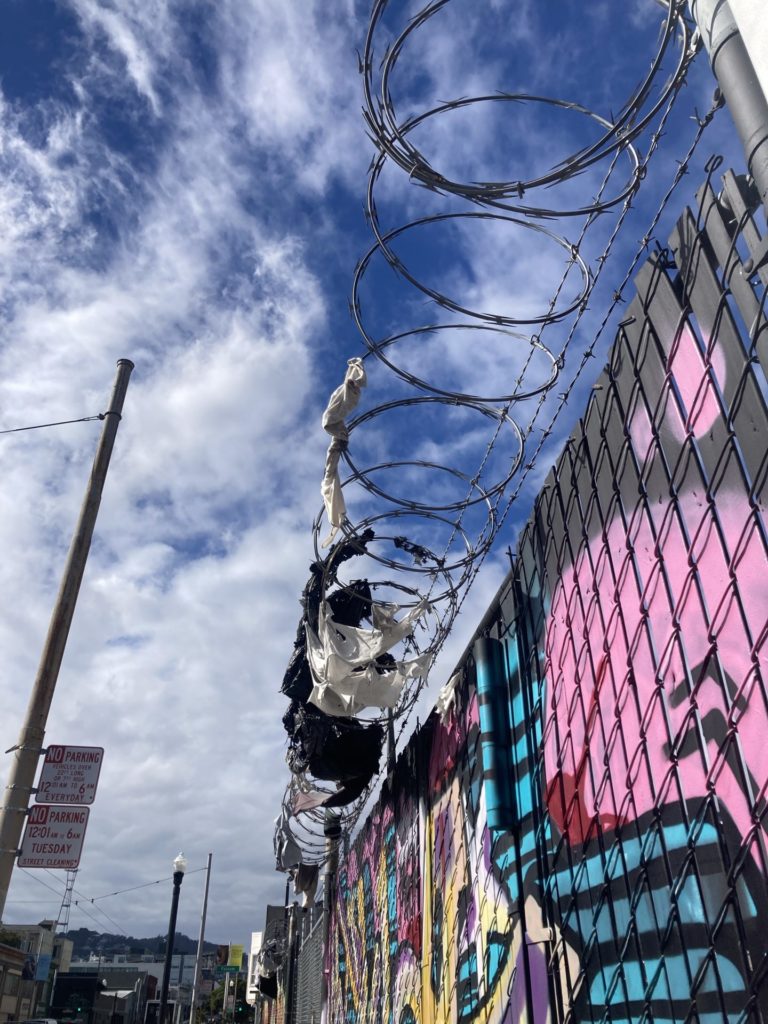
pixel 58 423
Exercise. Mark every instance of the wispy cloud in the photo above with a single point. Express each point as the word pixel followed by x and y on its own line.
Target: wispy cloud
pixel 203 539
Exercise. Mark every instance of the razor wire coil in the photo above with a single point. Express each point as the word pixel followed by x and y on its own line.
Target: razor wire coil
pixel 444 578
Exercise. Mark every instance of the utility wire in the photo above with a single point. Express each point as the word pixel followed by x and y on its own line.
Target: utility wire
pixel 58 423
pixel 95 920
pixel 86 898
pixel 77 903
pixel 111 920
pixel 19 902
pixel 58 894
pixel 95 899
pixel 40 880
pixel 144 885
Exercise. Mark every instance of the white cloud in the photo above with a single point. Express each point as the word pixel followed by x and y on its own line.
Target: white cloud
pixel 186 615
pixel 292 77
pixel 125 31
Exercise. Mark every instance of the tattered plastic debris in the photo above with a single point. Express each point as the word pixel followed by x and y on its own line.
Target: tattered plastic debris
pixel 350 605
pixel 332 749
pixel 446 698
pixel 287 851
pixel 297 681
pixel 268 985
pixel 342 402
pixel 421 555
pixel 343 660
pixel 347 793
pixel 305 878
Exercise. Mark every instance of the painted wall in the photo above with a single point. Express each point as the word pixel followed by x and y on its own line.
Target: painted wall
pixel 628 882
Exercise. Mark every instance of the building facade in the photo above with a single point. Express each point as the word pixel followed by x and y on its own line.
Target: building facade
pixel 12 960
pixel 133 983
pixel 44 953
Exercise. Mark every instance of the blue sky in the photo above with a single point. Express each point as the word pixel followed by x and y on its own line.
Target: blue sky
pixel 182 184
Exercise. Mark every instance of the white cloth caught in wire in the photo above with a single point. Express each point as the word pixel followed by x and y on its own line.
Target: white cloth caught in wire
pixel 341 403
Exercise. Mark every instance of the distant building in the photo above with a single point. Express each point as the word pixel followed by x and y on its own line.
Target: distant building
pixel 252 988
pixel 125 972
pixel 182 965
pixel 93 999
pixel 11 966
pixel 43 953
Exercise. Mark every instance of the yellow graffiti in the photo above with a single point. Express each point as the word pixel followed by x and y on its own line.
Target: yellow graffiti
pixel 466 970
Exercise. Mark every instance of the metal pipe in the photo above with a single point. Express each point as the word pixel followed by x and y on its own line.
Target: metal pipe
pixel 27 752
pixel 752 19
pixel 495 733
pixel 332 829
pixel 290 968
pixel 738 83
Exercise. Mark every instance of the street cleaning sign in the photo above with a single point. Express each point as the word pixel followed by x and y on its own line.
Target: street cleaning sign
pixel 69 775
pixel 53 837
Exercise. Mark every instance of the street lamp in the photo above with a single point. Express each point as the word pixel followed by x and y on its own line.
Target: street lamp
pixel 179 867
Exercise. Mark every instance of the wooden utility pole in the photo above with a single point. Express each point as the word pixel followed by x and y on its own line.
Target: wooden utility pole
pixel 27 751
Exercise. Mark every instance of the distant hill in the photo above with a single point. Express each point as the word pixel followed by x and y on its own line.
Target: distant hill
pixel 104 943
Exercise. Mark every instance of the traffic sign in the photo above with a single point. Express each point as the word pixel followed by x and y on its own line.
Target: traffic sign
pixel 69 775
pixel 53 837
pixel 227 969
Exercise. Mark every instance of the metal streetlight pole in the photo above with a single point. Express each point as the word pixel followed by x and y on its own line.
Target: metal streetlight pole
pixel 179 867
pixel 200 941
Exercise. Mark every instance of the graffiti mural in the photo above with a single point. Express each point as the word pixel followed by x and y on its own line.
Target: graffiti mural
pixel 376 947
pixel 583 835
pixel 425 921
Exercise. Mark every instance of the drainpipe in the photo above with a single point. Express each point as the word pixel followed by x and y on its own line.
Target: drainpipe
pixel 738 83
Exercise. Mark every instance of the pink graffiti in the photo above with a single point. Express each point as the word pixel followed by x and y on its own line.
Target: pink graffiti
pixel 405 864
pixel 647 650
pixel 693 375
pixel 450 738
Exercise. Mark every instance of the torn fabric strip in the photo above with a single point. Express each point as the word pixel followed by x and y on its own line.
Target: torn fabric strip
pixel 287 852
pixel 305 879
pixel 345 794
pixel 446 698
pixel 343 400
pixel 367 688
